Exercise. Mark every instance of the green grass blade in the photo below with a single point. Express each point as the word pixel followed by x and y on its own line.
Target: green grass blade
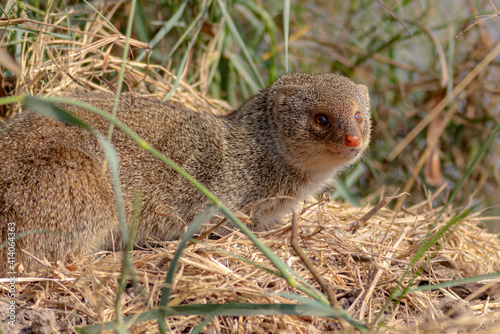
pixel 264 23
pixel 186 54
pixel 220 44
pixel 48 109
pixel 236 35
pixel 113 164
pixel 202 325
pixel 245 309
pixel 167 26
pixel 104 18
pixel 193 227
pixel 286 25
pixel 453 283
pixel 471 167
pixel 119 85
pixel 326 308
pixel 186 33
pixel 229 310
pixel 434 239
pixel 343 188
pixel 244 71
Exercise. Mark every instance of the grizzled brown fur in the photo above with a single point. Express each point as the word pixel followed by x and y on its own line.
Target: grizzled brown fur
pixel 287 140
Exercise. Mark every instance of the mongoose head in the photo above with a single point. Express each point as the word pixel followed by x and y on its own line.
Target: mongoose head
pixel 323 120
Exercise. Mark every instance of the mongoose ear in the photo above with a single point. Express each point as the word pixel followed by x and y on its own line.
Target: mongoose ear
pixel 283 94
pixel 365 91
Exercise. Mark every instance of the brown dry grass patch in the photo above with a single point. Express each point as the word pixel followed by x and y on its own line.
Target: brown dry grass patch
pixel 363 267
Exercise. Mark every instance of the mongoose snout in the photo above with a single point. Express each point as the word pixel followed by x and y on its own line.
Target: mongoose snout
pixel 282 144
pixel 352 140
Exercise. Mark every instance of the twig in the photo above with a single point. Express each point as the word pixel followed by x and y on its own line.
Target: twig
pixel 355 225
pixel 241 213
pixel 382 266
pixel 326 286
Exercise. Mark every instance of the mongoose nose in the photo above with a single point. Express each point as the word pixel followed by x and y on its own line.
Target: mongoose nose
pixel 352 140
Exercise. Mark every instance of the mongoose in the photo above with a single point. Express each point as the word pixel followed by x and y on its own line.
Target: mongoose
pixel 286 142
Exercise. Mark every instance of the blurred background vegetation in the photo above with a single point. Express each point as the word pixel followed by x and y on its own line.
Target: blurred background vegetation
pixel 411 55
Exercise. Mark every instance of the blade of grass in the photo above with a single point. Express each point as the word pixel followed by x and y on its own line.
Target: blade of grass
pixel 326 308
pixel 193 227
pixel 243 70
pixel 202 325
pixel 239 40
pixel 220 44
pixel 457 282
pixel 110 25
pixel 113 163
pixel 271 30
pixel 167 26
pixel 228 310
pixel 182 66
pixel 471 167
pixel 50 110
pixel 286 25
pixel 184 35
pixel 119 85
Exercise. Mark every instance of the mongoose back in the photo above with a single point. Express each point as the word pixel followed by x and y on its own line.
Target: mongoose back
pixel 284 142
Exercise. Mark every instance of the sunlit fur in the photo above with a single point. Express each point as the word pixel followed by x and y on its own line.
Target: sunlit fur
pixel 51 175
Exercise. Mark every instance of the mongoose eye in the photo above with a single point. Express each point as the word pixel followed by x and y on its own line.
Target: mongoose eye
pixel 358 117
pixel 322 120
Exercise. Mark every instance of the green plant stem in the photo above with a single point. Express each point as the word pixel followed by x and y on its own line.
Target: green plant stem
pixel 239 40
pixel 122 68
pixel 286 25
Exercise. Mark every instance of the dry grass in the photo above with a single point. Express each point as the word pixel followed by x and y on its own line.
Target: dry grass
pixel 364 267
pixel 87 64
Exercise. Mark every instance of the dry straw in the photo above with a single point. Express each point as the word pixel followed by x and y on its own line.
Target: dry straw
pixel 364 267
